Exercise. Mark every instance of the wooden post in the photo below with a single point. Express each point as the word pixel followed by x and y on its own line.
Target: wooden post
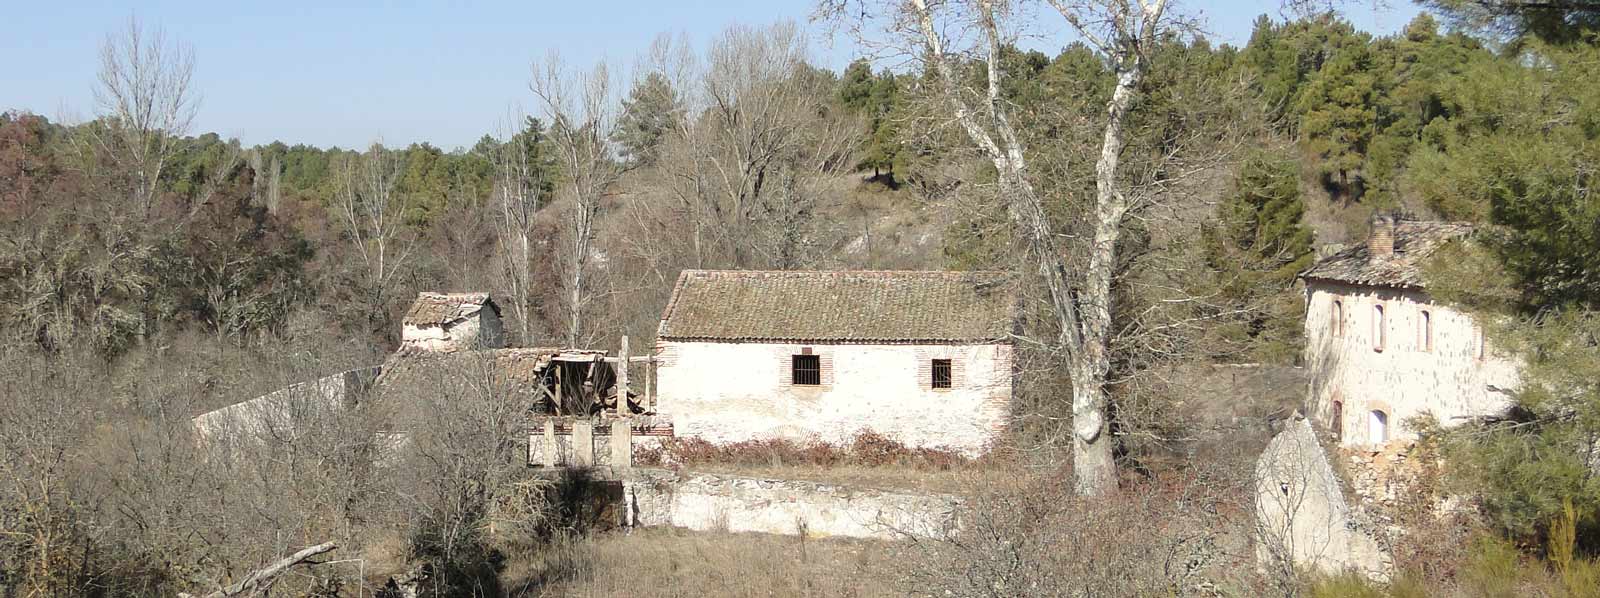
pixel 622 378
pixel 583 442
pixel 621 445
pixel 560 406
pixel 649 402
pixel 550 446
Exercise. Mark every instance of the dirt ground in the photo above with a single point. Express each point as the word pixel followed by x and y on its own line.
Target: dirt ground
pixel 669 562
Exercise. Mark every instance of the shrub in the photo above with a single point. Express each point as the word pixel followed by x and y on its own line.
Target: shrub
pixel 866 449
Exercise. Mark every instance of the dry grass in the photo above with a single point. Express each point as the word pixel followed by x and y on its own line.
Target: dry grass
pixel 670 562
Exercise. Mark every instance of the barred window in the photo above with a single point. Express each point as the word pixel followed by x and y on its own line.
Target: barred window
pixel 806 370
pixel 942 377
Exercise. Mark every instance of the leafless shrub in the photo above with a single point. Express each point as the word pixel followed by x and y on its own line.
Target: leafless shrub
pixel 867 449
pixel 1029 534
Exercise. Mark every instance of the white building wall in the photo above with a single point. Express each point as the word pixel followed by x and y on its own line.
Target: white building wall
pixel 1453 381
pixel 732 392
pixel 482 330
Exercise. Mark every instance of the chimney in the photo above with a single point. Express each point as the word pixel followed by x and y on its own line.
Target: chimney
pixel 1381 242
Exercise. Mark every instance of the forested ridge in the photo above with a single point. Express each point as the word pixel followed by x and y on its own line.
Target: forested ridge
pixel 1156 193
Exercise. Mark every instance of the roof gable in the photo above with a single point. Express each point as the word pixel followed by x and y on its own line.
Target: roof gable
pixel 1414 242
pixel 840 306
pixel 438 309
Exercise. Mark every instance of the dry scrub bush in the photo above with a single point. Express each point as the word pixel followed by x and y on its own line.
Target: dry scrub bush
pixel 866 449
pixel 1029 534
pixel 106 490
pixel 653 563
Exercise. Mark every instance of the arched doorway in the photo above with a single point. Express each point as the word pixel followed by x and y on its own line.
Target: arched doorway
pixel 1377 427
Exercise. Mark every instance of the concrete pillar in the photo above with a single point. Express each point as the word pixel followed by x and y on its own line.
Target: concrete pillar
pixel 622 378
pixel 550 447
pixel 583 443
pixel 621 445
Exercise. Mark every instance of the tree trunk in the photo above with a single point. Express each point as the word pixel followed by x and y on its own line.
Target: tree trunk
pixel 1092 446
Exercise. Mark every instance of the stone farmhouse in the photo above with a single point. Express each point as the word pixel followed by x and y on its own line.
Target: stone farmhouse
pixel 452 322
pixel 924 358
pixel 1381 351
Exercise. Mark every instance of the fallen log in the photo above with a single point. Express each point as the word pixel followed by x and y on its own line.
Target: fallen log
pixel 261 578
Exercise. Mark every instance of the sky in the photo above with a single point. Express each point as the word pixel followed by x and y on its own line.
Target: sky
pixel 347 73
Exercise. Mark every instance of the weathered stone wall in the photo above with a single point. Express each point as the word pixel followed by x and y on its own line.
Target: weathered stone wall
pixel 1301 514
pixel 730 392
pixel 707 502
pixel 1405 379
pixel 482 330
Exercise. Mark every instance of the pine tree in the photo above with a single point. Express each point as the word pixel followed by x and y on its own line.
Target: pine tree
pixel 648 114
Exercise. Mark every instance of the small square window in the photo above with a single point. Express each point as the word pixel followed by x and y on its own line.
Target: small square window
pixel 942 377
pixel 806 370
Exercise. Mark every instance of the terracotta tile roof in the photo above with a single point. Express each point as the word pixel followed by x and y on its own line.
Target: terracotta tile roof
pixel 436 309
pixel 842 306
pixel 1414 241
pixel 518 368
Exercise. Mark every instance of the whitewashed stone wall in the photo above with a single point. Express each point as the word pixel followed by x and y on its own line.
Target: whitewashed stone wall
pixel 1302 519
pixel 1453 381
pixel 483 330
pixel 731 392
pixel 707 502
pixel 280 411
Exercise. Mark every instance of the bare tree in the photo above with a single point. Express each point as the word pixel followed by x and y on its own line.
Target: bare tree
pixel 372 212
pixel 145 105
pixel 947 34
pixel 758 136
pixel 274 185
pixel 583 112
pixel 521 180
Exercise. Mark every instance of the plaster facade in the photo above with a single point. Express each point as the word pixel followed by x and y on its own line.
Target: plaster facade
pixel 1373 371
pixel 726 392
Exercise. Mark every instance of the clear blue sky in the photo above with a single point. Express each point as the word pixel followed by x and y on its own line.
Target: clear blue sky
pixel 442 72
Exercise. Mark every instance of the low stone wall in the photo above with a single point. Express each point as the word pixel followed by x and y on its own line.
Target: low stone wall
pixel 714 502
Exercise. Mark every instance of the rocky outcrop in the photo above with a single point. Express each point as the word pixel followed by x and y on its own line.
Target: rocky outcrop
pixel 1302 517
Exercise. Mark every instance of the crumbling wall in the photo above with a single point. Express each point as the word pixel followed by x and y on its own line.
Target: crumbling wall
pixel 1302 518
pixel 707 502
pixel 481 330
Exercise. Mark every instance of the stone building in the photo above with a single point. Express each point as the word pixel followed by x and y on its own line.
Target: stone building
pixel 1381 351
pixel 924 358
pixel 452 322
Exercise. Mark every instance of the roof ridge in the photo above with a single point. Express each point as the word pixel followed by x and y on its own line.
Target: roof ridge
pixel 840 272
